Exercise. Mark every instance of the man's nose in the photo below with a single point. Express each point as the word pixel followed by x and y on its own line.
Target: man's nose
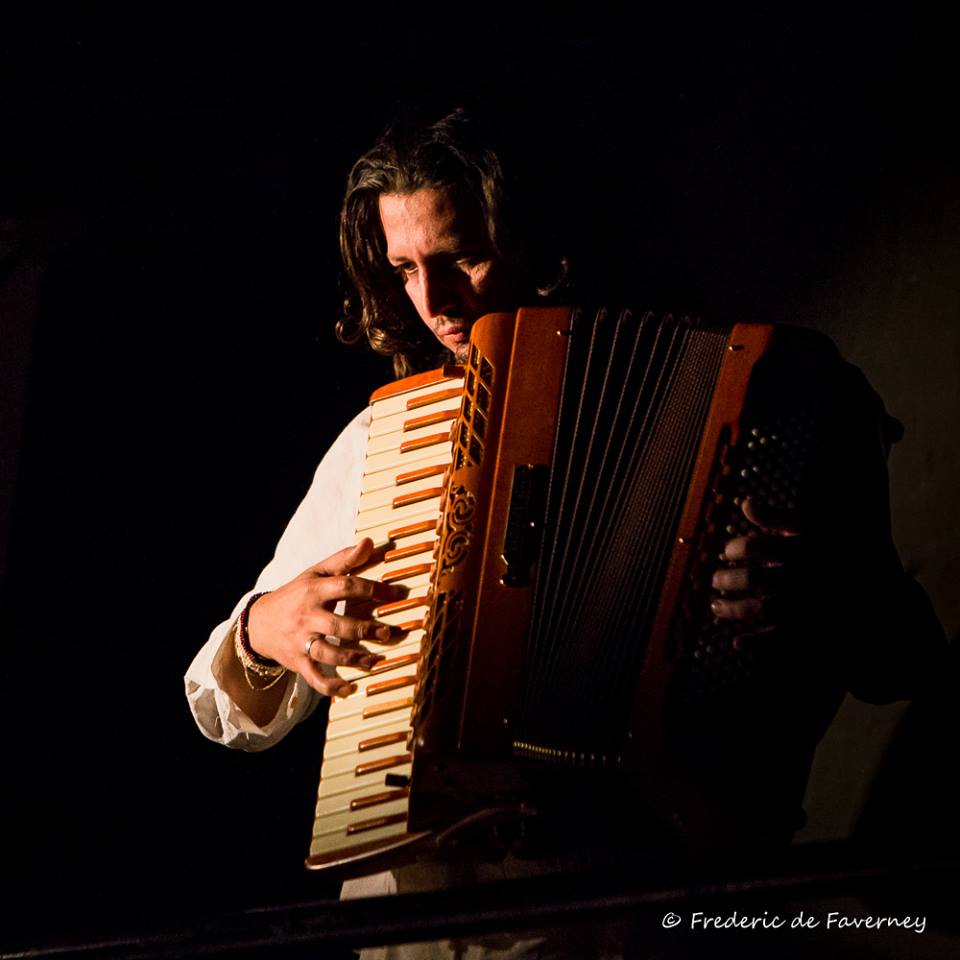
pixel 437 293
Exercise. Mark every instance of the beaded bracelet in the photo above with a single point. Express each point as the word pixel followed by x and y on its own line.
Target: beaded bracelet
pixel 253 664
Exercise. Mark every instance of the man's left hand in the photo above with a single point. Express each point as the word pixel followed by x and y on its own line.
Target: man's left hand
pixel 764 568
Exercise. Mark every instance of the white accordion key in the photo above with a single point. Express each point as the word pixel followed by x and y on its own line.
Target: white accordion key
pixel 409 440
pixel 398 656
pixel 399 529
pixel 443 412
pixel 418 400
pixel 399 496
pixel 359 738
pixel 348 823
pixel 406 458
pixel 397 480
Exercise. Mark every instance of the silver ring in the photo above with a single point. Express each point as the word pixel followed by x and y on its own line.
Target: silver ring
pixel 308 646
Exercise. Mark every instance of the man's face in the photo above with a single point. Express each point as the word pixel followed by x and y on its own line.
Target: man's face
pixel 441 251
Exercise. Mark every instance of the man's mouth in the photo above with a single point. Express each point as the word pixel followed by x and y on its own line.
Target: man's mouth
pixel 454 334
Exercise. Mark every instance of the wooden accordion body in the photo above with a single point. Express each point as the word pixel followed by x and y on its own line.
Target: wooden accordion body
pixel 598 465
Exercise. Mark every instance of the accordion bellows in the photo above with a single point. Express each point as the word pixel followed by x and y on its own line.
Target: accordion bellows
pixel 556 509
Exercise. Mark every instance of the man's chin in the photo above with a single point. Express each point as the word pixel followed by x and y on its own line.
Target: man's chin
pixel 461 352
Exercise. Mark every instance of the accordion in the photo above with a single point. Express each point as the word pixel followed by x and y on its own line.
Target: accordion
pixel 556 508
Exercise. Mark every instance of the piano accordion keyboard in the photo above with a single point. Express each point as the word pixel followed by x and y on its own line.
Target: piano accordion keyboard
pixel 358 811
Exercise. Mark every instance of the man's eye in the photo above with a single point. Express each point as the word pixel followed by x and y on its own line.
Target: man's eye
pixel 405 270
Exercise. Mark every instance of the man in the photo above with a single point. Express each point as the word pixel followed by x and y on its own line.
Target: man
pixel 430 244
pixel 426 243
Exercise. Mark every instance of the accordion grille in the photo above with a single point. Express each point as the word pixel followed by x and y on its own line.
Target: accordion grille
pixel 635 397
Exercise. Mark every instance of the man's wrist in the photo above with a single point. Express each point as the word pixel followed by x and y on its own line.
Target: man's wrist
pixel 259 672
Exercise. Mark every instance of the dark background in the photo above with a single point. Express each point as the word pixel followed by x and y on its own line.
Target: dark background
pixel 168 286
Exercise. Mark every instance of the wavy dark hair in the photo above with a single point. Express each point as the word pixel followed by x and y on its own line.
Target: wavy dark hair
pixel 452 151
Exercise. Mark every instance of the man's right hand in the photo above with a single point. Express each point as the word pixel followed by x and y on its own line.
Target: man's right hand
pixel 299 616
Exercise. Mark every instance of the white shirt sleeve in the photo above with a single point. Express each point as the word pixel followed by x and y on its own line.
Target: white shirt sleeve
pixel 323 524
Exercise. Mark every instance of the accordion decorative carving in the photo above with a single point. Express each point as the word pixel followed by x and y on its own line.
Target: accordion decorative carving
pixel 457 526
pixel 594 467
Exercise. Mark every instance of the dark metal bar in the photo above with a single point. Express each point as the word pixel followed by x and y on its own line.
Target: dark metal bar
pixel 301 929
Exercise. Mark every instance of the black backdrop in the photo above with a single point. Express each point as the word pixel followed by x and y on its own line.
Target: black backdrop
pixel 170 192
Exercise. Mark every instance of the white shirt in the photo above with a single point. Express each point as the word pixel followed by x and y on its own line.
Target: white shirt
pixel 323 524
